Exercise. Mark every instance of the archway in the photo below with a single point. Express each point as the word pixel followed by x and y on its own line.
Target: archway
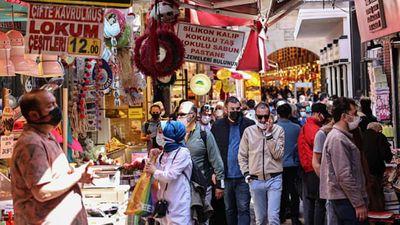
pixel 291 66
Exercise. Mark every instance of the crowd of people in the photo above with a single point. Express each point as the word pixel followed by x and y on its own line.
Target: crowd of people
pixel 267 156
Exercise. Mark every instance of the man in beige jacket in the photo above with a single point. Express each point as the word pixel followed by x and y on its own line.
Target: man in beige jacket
pixel 260 160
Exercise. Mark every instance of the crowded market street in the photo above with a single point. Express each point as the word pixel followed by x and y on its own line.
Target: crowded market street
pixel 201 112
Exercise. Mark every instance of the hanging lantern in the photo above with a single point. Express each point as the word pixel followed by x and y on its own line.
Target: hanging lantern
pixel 218 85
pixel 223 74
pixel 6 66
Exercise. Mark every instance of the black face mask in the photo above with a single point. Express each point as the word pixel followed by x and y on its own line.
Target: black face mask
pixel 56 116
pixel 235 115
pixel 155 116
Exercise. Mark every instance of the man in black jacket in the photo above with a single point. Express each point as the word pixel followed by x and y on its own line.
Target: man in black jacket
pixel 228 132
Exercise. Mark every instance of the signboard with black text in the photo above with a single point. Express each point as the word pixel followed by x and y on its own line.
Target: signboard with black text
pixel 65 30
pixel 212 46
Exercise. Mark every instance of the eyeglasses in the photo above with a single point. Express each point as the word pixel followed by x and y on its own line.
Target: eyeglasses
pixel 182 114
pixel 260 117
pixel 208 107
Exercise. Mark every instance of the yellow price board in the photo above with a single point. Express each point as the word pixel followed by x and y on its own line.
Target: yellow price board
pixel 84 46
pixel 135 113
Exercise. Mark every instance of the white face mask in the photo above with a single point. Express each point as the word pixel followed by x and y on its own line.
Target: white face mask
pixel 185 120
pixel 205 120
pixel 303 114
pixel 262 126
pixel 354 124
pixel 162 140
pixel 219 113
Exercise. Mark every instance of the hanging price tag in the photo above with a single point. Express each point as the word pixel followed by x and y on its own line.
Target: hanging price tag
pixel 6 146
pixel 84 46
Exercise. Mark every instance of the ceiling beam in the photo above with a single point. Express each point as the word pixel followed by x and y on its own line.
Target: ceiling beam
pixel 220 12
pixel 225 4
pixel 284 12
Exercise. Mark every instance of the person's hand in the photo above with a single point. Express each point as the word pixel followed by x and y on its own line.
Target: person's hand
pixel 154 152
pixel 214 179
pixel 149 167
pixel 270 125
pixel 219 193
pixel 362 213
pixel 87 175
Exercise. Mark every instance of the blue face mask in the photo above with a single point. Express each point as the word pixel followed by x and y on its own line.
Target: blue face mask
pixel 303 114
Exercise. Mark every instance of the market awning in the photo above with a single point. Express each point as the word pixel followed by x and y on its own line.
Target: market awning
pixel 318 22
pixel 243 9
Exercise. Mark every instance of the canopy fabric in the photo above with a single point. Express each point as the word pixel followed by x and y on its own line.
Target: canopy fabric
pixel 211 19
pixel 254 57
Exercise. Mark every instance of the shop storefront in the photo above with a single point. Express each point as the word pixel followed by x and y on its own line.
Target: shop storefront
pixel 379 27
pixel 100 60
pixel 294 65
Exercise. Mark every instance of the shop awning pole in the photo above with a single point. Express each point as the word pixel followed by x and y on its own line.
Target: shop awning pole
pixel 65 119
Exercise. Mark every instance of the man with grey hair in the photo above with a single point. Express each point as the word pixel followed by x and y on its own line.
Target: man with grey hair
pixel 260 159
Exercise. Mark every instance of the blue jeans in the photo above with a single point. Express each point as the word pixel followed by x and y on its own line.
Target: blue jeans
pixel 237 202
pixel 266 195
pixel 345 213
pixel 330 214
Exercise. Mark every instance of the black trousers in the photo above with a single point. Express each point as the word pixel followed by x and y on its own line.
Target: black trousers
pixel 290 197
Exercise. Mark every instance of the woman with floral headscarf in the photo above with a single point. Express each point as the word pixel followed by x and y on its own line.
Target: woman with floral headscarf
pixel 173 167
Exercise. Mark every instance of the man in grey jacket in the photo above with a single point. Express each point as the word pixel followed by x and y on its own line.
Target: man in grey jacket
pixel 341 173
pixel 203 149
pixel 260 160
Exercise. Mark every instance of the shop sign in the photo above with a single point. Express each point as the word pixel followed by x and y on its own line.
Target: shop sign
pixel 382 106
pixel 135 113
pixel 65 30
pixel 377 18
pixel 6 146
pixel 212 46
pixel 375 15
pixel 105 3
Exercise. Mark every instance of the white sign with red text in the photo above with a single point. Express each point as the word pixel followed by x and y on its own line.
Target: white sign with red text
pixel 6 146
pixel 61 30
pixel 212 46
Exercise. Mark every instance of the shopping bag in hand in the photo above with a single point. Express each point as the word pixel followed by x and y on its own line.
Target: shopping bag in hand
pixel 144 196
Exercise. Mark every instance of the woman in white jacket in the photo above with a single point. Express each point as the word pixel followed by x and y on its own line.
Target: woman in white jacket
pixel 171 167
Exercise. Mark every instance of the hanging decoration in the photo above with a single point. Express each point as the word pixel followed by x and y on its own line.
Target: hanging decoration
pixel 114 23
pixel 224 76
pixel 166 81
pixel 200 84
pixel 165 11
pixel 159 52
pixel 103 76
pixel 167 61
